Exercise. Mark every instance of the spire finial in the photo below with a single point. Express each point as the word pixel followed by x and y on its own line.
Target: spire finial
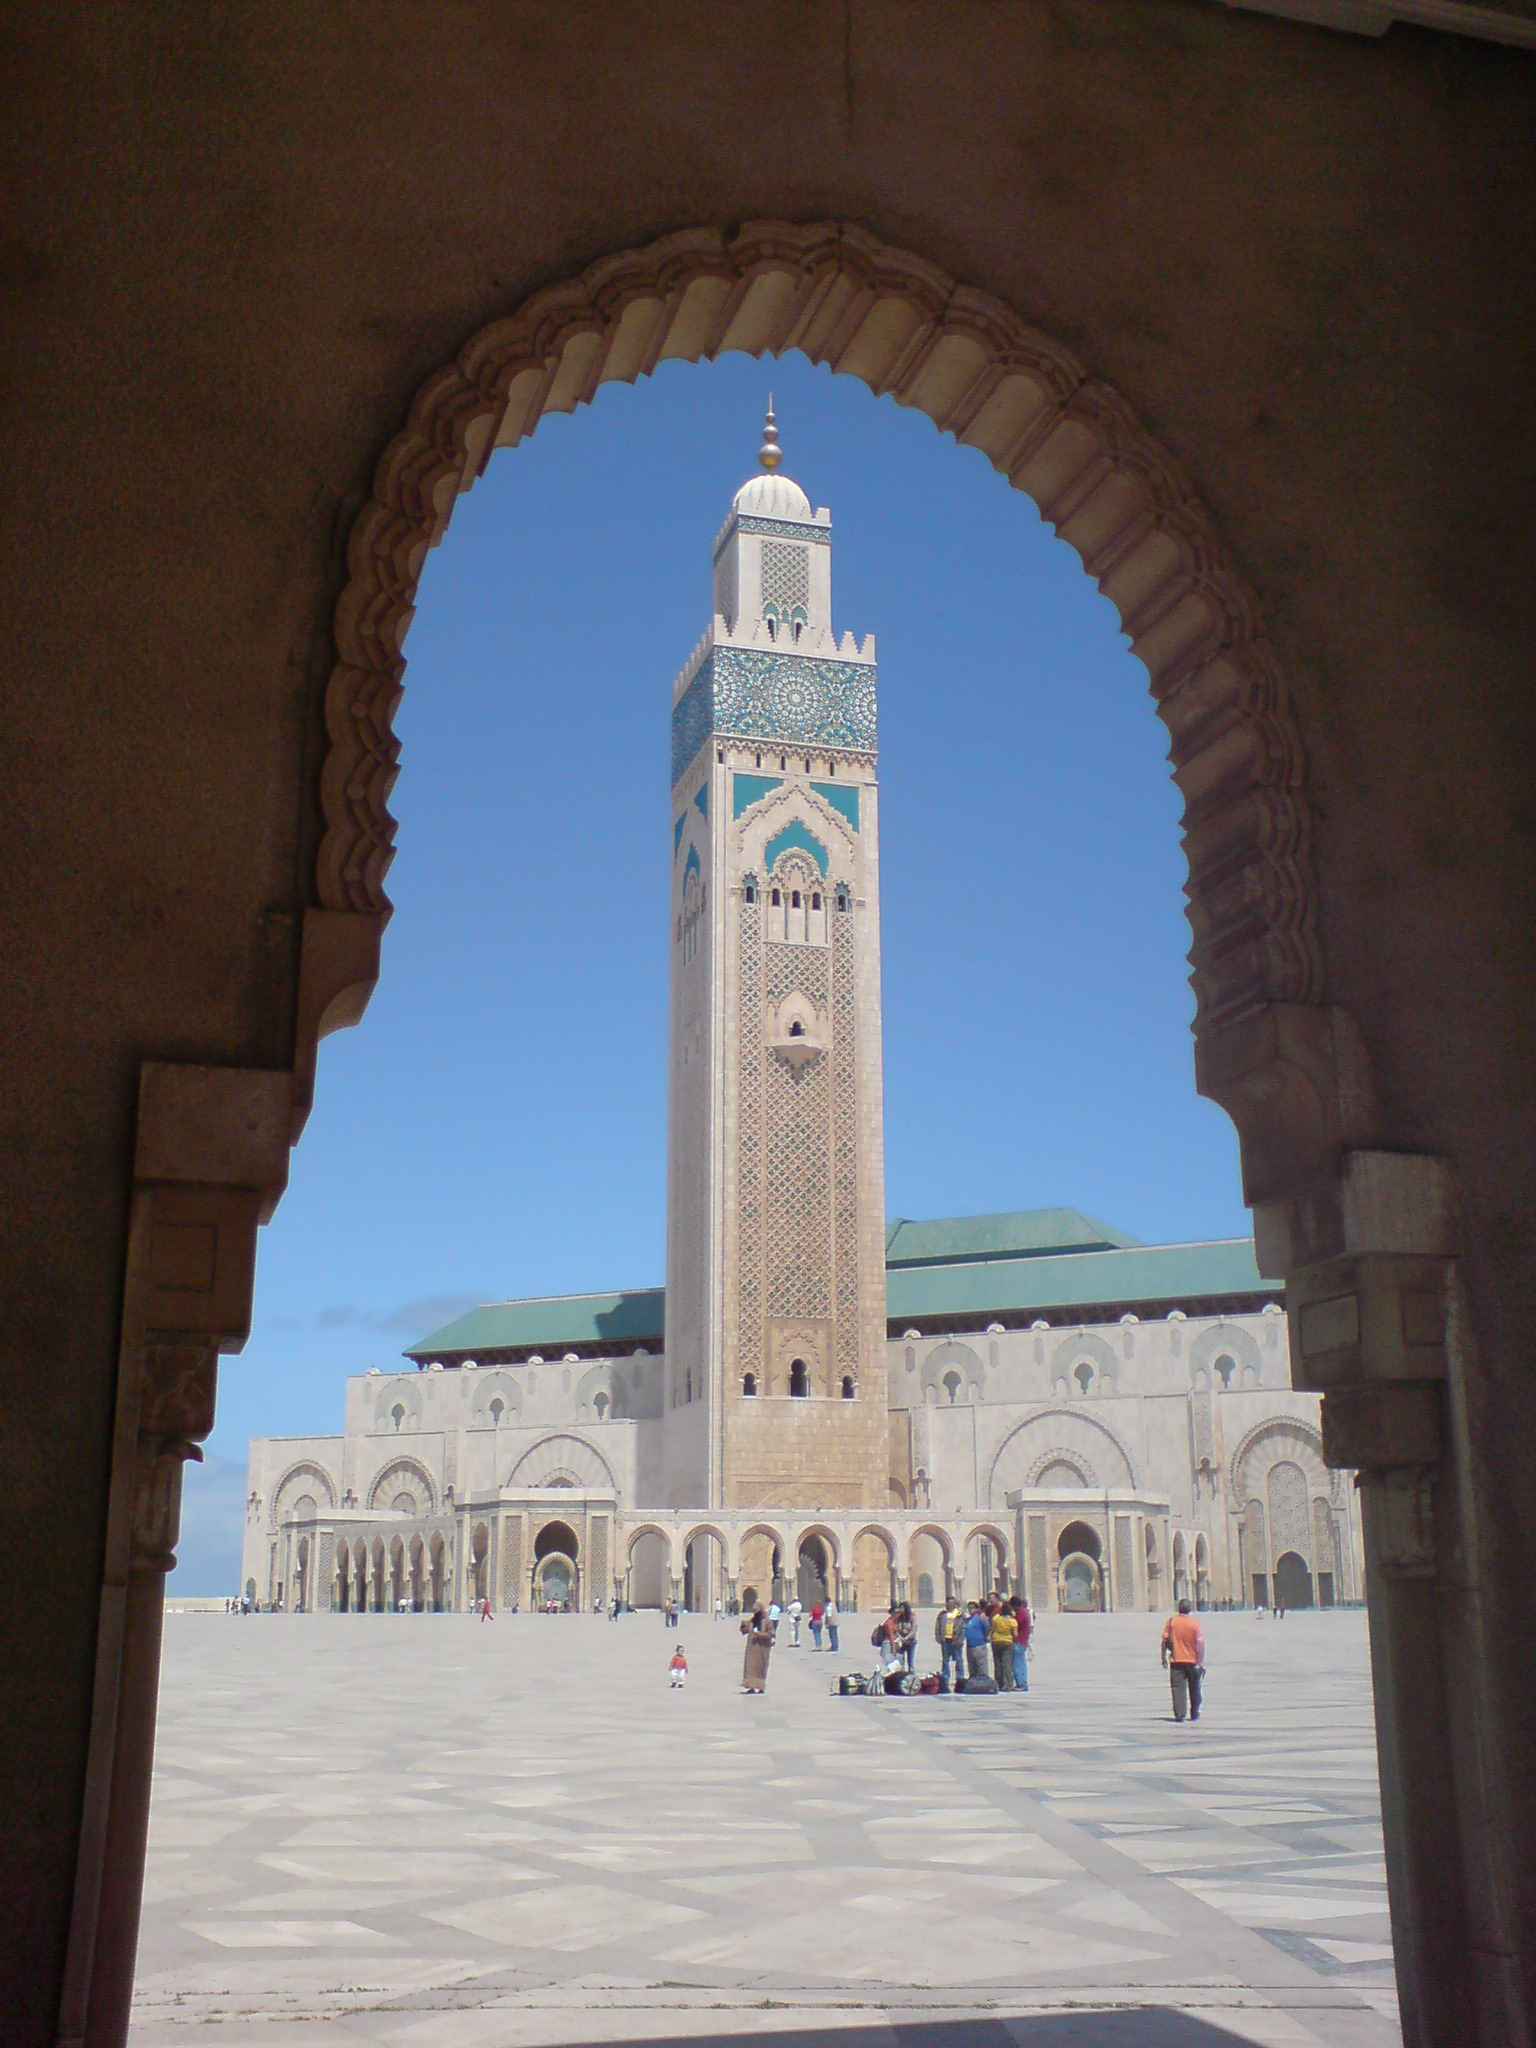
pixel 770 455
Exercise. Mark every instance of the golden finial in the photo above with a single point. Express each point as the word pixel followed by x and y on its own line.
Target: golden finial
pixel 770 455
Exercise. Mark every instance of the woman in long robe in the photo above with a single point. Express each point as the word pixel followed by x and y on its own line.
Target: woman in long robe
pixel 754 1666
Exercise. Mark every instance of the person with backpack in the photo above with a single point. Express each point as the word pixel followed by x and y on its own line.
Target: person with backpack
pixel 978 1634
pixel 949 1634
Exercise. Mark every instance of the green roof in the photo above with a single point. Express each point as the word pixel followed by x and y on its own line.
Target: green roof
pixel 634 1317
pixel 977 1269
pixel 982 1291
pixel 1017 1234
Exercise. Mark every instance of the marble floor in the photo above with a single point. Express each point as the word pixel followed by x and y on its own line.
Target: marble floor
pixel 433 1832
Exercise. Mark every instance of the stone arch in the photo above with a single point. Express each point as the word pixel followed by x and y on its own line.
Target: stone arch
pixel 562 1460
pixel 602 1393
pixel 1083 1350
pixel 824 1535
pixel 1227 1340
pixel 398 1406
pixel 301 1478
pixel 1061 1468
pixel 979 371
pixel 492 1387
pixel 406 1473
pixel 1287 1435
pixel 1071 1435
pixel 952 1363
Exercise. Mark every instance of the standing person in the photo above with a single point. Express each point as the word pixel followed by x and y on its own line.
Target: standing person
pixel 906 1635
pixel 1005 1633
pixel 949 1634
pixel 816 1618
pixel 677 1669
pixel 795 1611
pixel 1025 1627
pixel 485 1609
pixel 613 1611
pixel 977 1635
pixel 719 1608
pixel 830 1617
pixel 1184 1660
pixel 754 1667
pixel 774 1611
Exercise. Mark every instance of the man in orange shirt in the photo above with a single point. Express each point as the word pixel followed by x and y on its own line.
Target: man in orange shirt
pixel 1184 1660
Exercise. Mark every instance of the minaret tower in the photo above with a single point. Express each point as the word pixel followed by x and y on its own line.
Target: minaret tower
pixel 775 1299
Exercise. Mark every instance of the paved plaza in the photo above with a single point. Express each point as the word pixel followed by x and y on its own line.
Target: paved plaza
pixel 434 1832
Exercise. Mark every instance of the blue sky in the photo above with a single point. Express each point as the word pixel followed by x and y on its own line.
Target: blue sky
pixel 496 1125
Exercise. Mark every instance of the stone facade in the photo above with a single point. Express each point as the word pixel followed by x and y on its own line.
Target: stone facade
pixel 774 1427
pixel 1119 1465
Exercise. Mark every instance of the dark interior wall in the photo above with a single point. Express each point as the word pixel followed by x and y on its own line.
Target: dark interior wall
pixel 236 240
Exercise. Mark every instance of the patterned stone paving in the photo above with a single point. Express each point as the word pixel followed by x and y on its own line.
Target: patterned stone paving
pixel 436 1833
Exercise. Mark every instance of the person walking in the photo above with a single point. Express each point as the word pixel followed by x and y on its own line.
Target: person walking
pixel 1184 1661
pixel 949 1634
pixel 754 1667
pixel 485 1609
pixel 817 1614
pixel 1005 1633
pixel 977 1635
pixel 830 1617
pixel 1025 1628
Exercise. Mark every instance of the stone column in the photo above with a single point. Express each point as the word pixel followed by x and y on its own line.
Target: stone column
pixel 210 1160
pixel 1379 1328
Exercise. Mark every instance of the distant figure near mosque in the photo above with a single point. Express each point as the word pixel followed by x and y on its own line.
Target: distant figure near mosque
pixel 818 1404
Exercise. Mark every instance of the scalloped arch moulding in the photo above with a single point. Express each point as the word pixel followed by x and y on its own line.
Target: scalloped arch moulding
pixel 980 372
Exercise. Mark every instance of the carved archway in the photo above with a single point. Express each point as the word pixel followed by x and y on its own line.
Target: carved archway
pixel 408 1475
pixel 979 371
pixel 562 1460
pixel 301 1478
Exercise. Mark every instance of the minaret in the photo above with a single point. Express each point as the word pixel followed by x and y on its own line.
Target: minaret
pixel 775 1298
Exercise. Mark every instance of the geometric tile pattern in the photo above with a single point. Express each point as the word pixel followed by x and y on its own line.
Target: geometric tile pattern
pixel 424 1830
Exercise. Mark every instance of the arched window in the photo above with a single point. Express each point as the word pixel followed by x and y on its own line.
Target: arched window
pixel 397 1416
pixel 842 899
pixel 797 1029
pixel 776 898
pixel 498 1409
pixel 749 891
pixel 815 899
pixel 1083 1374
pixel 749 1384
pixel 952 1386
pixel 1225 1367
pixel 600 1405
pixel 847 1386
pixel 799 1379
pixel 794 899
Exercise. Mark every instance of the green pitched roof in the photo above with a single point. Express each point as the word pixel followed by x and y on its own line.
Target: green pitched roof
pixel 1016 1234
pixel 634 1317
pixel 984 1290
pixel 977 1269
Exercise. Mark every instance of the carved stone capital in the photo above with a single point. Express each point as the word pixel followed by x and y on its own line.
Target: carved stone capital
pixel 1399 1517
pixel 1383 1428
pixel 1294 1078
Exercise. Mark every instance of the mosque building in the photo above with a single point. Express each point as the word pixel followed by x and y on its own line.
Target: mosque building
pixel 817 1401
